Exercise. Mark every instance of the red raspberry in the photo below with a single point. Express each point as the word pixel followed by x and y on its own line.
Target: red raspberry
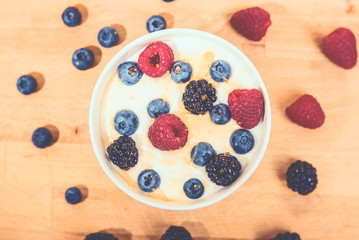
pixel 156 59
pixel 168 132
pixel 246 106
pixel 340 47
pixel 252 23
pixel 306 112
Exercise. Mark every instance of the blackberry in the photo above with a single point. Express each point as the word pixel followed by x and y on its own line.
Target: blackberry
pixel 199 96
pixel 100 236
pixel 176 233
pixel 223 169
pixel 286 236
pixel 302 177
pixel 123 152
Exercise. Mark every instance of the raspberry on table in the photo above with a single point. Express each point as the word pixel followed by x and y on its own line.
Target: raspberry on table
pixel 306 112
pixel 252 23
pixel 286 236
pixel 224 169
pixel 168 132
pixel 156 59
pixel 246 106
pixel 340 47
pixel 302 177
pixel 199 96
pixel 123 152
pixel 100 236
pixel 176 233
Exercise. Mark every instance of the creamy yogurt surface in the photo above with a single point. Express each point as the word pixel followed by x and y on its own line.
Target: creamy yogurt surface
pixel 176 167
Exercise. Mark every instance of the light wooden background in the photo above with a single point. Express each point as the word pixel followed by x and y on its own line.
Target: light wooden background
pixel 33 39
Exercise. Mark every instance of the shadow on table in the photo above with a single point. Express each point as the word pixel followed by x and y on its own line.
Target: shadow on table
pixel 196 238
pixel 269 234
pixel 120 233
pixel 83 11
pixel 121 30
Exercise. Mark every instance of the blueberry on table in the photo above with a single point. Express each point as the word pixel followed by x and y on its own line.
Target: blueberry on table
pixel 220 71
pixel 220 114
pixel 242 141
pixel 26 84
pixel 168 0
pixel 157 107
pixel 155 23
pixel 108 37
pixel 73 195
pixel 41 137
pixel 129 73
pixel 71 17
pixel 181 72
pixel 126 122
pixel 83 58
pixel 202 154
pixel 149 180
pixel 193 188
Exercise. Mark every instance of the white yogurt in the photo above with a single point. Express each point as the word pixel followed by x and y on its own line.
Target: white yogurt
pixel 176 167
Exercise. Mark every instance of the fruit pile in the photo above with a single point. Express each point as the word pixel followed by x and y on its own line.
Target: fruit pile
pixel 168 132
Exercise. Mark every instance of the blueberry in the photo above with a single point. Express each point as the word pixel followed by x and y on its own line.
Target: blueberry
pixel 202 154
pixel 129 73
pixel 193 188
pixel 149 180
pixel 71 17
pixel 73 195
pixel 41 137
pixel 26 84
pixel 126 122
pixel 220 71
pixel 168 0
pixel 220 114
pixel 83 58
pixel 181 72
pixel 108 37
pixel 155 23
pixel 242 141
pixel 157 107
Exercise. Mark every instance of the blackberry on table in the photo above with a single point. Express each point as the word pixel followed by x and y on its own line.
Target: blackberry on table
pixel 123 152
pixel 224 169
pixel 286 236
pixel 100 236
pixel 176 233
pixel 302 177
pixel 199 96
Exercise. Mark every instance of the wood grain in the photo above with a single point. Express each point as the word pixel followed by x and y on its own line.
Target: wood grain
pixel 33 39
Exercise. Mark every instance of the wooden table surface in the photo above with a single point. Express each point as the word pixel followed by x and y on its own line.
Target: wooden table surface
pixel 33 39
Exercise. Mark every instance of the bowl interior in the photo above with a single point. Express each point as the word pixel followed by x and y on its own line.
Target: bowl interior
pixel 192 40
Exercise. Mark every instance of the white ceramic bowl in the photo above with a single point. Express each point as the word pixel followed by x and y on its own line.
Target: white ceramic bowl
pixel 122 56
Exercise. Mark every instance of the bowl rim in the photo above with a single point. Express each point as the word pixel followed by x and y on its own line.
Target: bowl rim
pixel 97 95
